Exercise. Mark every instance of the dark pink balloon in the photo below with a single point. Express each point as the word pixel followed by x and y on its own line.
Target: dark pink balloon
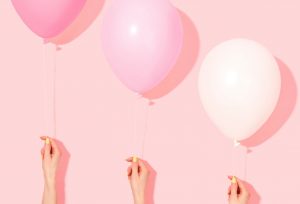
pixel 48 18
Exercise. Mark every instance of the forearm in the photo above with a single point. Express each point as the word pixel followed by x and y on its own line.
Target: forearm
pixel 49 196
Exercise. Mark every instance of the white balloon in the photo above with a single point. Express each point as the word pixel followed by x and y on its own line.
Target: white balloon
pixel 239 86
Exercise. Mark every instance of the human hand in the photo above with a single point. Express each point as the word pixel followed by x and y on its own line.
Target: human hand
pixel 138 175
pixel 237 192
pixel 50 160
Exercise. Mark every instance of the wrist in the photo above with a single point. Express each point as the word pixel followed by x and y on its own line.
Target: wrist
pixel 49 191
pixel 139 200
pixel 50 184
pixel 50 179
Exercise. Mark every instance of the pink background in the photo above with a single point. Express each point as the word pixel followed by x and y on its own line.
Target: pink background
pixel 95 120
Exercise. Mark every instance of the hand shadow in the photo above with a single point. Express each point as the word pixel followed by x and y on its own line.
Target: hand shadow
pixel 86 17
pixel 284 108
pixel 61 172
pixel 254 196
pixel 151 184
pixel 185 61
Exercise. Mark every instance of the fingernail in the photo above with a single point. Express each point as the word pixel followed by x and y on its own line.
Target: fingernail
pixel 135 159
pixel 47 141
pixel 233 180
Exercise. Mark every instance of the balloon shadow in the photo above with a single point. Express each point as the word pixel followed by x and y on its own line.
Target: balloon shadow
pixel 185 61
pixel 86 17
pixel 61 172
pixel 284 108
pixel 149 197
pixel 254 196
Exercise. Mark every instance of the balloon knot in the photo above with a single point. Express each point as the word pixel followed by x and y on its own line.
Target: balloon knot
pixel 236 143
pixel 58 48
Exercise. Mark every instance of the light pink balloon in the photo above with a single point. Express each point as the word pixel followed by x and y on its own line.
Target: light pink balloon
pixel 142 40
pixel 48 18
pixel 239 86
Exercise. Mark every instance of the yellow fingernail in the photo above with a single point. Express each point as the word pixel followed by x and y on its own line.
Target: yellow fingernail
pixel 47 141
pixel 233 180
pixel 135 159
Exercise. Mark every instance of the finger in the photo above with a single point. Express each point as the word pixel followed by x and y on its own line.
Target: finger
pixel 233 191
pixel 241 184
pixel 47 148
pixel 129 159
pixel 135 170
pixel 43 149
pixel 43 137
pixel 242 187
pixel 42 152
pixel 135 159
pixel 229 189
pixel 233 179
pixel 142 165
pixel 143 168
pixel 132 159
pixel 129 172
pixel 55 149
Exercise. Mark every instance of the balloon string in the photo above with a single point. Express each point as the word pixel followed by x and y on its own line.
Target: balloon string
pixel 45 101
pixel 139 137
pixel 49 92
pixel 246 164
pixel 233 156
pixel 146 122
pixel 232 160
pixel 54 91
pixel 242 152
pixel 134 126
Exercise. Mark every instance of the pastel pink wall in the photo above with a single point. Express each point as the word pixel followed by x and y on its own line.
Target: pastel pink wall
pixel 94 118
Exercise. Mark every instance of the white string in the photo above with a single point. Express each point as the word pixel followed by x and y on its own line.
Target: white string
pixel 246 164
pixel 49 88
pixel 139 137
pixel 54 91
pixel 233 157
pixel 134 126
pixel 242 153
pixel 45 96
pixel 145 130
pixel 233 160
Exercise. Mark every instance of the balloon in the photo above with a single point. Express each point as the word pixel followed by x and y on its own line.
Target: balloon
pixel 48 18
pixel 239 85
pixel 142 40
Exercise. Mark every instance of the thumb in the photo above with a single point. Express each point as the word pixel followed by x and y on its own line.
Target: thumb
pixel 135 169
pixel 47 149
pixel 233 191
